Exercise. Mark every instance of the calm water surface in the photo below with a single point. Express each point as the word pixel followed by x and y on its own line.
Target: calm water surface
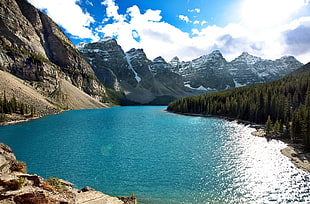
pixel 161 157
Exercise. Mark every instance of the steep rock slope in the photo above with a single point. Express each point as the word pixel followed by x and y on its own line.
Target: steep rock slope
pixel 142 80
pixel 16 87
pixel 33 48
pixel 208 72
pixel 148 82
pixel 248 69
pixel 213 72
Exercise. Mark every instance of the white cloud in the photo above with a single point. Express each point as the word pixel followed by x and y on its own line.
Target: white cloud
pixel 197 10
pixel 75 22
pixel 261 14
pixel 134 29
pixel 159 38
pixel 112 10
pixel 184 18
pixel 203 22
pixel 296 38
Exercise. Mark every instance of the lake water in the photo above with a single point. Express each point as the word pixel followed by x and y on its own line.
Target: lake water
pixel 161 157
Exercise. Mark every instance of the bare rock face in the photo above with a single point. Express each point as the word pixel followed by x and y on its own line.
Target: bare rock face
pixel 142 80
pixel 18 187
pixel 6 158
pixel 158 82
pixel 34 48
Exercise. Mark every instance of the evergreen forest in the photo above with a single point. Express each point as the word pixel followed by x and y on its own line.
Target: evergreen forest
pixel 12 106
pixel 283 105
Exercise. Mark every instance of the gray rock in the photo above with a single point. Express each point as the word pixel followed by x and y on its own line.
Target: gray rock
pixel 34 48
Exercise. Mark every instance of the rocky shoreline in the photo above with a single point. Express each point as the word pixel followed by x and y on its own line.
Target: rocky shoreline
pixel 295 152
pixel 298 157
pixel 16 186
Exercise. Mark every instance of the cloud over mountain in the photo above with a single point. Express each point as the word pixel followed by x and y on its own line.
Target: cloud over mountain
pixel 256 31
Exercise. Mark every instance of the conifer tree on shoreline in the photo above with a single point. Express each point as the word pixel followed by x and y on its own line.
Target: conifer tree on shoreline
pixel 13 106
pixel 286 100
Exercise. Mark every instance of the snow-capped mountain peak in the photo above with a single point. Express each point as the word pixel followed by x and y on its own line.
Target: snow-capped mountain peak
pixel 247 58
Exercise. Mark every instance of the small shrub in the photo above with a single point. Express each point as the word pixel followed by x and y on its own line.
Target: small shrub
pixel 16 184
pixel 19 166
pixel 55 182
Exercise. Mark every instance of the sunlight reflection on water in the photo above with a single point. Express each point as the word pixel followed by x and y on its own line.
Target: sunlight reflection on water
pixel 161 157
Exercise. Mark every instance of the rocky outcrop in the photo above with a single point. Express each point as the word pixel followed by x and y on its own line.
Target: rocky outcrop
pixel 34 48
pixel 208 73
pixel 248 69
pixel 142 80
pixel 213 73
pixel 6 159
pixel 158 82
pixel 18 187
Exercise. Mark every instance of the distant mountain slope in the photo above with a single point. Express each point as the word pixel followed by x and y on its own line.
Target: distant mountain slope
pixel 213 72
pixel 145 81
pixel 34 48
pixel 285 102
pixel 142 80
pixel 16 87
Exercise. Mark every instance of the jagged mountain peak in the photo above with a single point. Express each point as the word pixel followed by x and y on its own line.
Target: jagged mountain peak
pixel 144 79
pixel 217 52
pixel 215 58
pixel 132 50
pixel 288 59
pixel 175 59
pixel 247 58
pixel 159 60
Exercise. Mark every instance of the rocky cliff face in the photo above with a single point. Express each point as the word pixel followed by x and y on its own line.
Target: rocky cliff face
pixel 213 72
pixel 142 80
pixel 208 72
pixel 146 81
pixel 248 69
pixel 33 48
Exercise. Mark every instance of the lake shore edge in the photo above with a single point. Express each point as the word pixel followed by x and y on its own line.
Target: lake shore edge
pixel 14 119
pixel 294 151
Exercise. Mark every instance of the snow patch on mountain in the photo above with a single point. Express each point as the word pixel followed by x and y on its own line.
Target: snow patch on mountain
pixel 131 68
pixel 200 88
pixel 238 84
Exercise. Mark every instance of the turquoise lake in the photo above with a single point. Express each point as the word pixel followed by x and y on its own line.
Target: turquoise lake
pixel 160 156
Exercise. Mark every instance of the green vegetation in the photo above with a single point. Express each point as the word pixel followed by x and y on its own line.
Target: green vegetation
pixel 162 100
pixel 18 166
pixel 12 106
pixel 117 97
pixel 35 58
pixel 56 183
pixel 17 184
pixel 284 103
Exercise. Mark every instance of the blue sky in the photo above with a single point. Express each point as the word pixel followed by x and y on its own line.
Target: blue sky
pixel 189 28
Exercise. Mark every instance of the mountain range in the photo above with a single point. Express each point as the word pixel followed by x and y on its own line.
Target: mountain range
pixel 51 73
pixel 157 81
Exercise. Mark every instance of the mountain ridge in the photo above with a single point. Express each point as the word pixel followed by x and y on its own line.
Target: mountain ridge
pixel 147 79
pixel 34 49
pixel 284 104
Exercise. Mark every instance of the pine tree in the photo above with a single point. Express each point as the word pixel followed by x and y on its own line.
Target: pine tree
pixel 276 127
pixel 269 126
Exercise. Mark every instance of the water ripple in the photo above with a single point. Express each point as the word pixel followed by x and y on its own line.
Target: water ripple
pixel 162 157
